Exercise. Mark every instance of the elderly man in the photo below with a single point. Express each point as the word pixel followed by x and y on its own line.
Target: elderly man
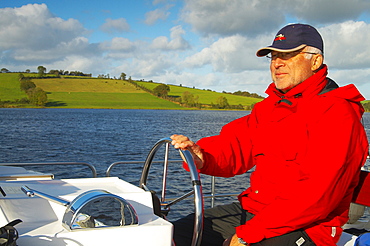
pixel 307 145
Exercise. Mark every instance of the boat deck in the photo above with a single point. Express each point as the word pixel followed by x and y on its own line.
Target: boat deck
pixel 42 219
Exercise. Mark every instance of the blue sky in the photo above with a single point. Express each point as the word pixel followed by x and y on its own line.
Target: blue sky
pixel 197 43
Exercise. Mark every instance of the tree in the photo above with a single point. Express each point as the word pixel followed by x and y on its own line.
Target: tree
pixel 189 100
pixel 54 71
pixel 37 96
pixel 161 90
pixel 41 71
pixel 247 94
pixel 26 84
pixel 123 76
pixel 4 70
pixel 222 102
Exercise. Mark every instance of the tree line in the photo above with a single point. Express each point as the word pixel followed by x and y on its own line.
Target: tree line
pixel 244 94
pixel 41 71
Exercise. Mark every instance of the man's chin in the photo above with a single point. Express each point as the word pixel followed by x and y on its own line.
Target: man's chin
pixel 284 89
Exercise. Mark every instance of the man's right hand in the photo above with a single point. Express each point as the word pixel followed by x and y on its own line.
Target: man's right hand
pixel 184 143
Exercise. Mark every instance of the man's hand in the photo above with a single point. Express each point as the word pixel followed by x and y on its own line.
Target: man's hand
pixel 184 143
pixel 232 241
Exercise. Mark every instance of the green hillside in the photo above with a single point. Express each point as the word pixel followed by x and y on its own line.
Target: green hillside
pixel 83 92
pixel 9 87
pixel 205 96
pixel 99 93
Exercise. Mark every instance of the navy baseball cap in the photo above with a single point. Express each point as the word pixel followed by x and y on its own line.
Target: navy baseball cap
pixel 294 37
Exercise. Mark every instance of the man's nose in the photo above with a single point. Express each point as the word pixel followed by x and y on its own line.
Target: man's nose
pixel 278 62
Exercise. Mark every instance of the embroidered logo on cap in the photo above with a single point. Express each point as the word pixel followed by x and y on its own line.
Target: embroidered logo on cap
pixel 280 37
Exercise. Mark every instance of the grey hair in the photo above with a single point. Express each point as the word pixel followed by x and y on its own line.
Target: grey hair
pixel 312 50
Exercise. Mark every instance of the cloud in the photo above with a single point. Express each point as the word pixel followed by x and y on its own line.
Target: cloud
pixel 118 44
pixel 318 11
pixel 254 17
pixel 177 41
pixel 232 54
pixel 34 27
pixel 346 44
pixel 115 26
pixel 223 17
pixel 79 63
pixel 343 77
pixel 119 48
pixel 77 46
pixel 153 16
pixel 155 2
pixel 145 65
pixel 31 36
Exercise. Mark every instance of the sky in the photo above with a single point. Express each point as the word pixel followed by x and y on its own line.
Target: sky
pixel 206 44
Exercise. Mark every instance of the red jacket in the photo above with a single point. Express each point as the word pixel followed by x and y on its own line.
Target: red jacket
pixel 307 147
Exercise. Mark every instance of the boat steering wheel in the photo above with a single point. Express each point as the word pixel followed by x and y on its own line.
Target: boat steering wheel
pixel 195 180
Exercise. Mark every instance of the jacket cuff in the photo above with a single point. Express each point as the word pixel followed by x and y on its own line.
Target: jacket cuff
pixel 249 234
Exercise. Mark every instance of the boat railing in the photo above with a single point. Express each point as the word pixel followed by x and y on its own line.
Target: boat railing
pixel 209 195
pixel 92 168
pixel 109 169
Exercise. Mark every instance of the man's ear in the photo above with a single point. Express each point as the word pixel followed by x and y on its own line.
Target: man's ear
pixel 316 62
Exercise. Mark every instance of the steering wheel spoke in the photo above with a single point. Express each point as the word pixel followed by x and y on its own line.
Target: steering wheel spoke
pixel 195 182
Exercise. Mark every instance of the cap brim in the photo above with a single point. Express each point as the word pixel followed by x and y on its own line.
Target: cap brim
pixel 267 50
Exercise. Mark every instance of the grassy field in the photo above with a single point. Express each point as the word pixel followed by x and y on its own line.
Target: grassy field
pixel 99 93
pixel 107 100
pixel 9 87
pixel 106 93
pixel 86 85
pixel 205 96
pixel 85 93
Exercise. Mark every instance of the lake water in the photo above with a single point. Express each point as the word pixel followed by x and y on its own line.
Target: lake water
pixel 99 137
pixel 103 136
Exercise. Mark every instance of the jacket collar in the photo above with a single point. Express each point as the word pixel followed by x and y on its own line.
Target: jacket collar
pixel 285 104
pixel 308 88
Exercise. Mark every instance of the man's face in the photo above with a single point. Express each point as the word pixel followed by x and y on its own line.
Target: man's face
pixel 289 69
